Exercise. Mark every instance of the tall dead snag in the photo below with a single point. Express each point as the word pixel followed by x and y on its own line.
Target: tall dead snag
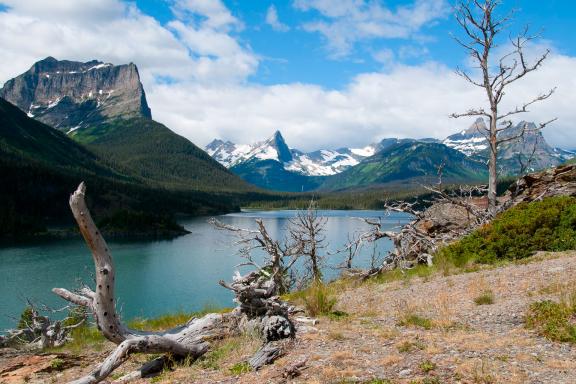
pixel 190 339
pixel 482 30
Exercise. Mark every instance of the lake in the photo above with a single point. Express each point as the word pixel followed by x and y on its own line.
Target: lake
pixel 158 277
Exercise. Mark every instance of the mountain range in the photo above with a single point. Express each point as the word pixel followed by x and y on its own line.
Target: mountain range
pixel 272 164
pixel 67 121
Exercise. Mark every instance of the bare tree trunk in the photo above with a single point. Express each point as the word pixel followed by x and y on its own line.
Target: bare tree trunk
pixel 492 169
pixel 190 339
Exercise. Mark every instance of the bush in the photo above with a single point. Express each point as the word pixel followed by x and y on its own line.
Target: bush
pixel 25 320
pixel 318 299
pixel 552 320
pixel 416 321
pixel 486 298
pixel 548 225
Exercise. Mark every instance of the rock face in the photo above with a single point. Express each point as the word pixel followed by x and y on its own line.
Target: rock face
pixel 559 181
pixel 69 95
pixel 513 155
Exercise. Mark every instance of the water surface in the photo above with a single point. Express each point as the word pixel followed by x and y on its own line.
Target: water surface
pixel 157 277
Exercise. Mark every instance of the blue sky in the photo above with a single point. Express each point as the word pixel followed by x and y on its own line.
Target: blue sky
pixel 296 55
pixel 326 73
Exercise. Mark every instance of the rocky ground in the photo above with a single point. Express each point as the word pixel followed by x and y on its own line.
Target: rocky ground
pixel 455 340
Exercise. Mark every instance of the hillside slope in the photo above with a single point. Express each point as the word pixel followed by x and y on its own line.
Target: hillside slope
pixel 458 342
pixel 155 153
pixel 407 163
pixel 40 167
pixel 104 106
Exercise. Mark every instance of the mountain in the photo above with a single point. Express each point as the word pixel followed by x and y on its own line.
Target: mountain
pixel 407 162
pixel 104 107
pixel 69 95
pixel 323 162
pixel 265 164
pixel 511 154
pixel 41 166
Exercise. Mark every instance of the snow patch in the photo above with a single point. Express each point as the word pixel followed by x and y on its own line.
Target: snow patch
pixel 364 152
pixel 54 103
pixel 98 66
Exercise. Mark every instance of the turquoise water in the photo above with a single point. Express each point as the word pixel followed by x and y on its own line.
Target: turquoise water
pixel 157 277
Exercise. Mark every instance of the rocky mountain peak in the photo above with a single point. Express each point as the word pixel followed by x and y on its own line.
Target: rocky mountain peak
pixel 69 95
pixel 279 144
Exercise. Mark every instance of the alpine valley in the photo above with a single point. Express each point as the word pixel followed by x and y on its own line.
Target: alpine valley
pixel 65 121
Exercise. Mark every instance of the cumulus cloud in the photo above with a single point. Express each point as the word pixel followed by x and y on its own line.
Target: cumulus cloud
pixel 273 20
pixel 195 73
pixel 408 101
pixel 343 23
pixel 196 46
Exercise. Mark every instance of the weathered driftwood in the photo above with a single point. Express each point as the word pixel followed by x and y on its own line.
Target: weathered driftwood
pixel 191 339
pixel 40 332
pixel 267 354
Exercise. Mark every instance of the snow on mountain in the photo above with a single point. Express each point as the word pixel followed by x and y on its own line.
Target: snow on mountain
pixel 511 154
pixel 470 141
pixel 323 162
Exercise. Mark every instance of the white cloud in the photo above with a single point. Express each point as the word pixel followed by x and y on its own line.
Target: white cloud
pixel 344 23
pixel 273 20
pixel 409 101
pixel 209 95
pixel 197 45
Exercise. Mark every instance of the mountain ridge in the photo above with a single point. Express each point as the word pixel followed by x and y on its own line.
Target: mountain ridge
pixel 69 95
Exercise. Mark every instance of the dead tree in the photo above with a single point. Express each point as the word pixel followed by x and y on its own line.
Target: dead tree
pixel 188 340
pixel 279 257
pixel 38 331
pixel 482 29
pixel 307 233
pixel 305 242
pixel 417 241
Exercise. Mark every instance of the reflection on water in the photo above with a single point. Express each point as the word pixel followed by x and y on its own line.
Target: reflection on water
pixel 156 277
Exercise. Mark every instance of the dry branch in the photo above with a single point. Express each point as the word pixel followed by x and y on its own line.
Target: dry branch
pixel 191 339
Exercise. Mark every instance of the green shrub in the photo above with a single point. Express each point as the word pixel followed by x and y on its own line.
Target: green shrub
pixel 552 320
pixel 240 368
pixel 318 299
pixel 25 320
pixel 427 366
pixel 548 225
pixel 416 321
pixel 57 364
pixel 486 298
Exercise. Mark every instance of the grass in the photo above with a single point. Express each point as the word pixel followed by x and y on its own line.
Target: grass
pixel 171 320
pixel 84 337
pixel 240 368
pixel 416 321
pixel 410 346
pixel 427 366
pixel 229 350
pixel 319 299
pixel 485 298
pixel 553 320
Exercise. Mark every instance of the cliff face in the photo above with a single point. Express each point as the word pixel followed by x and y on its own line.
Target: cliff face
pixel 69 95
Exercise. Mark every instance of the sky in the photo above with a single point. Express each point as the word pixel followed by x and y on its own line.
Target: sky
pixel 326 73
